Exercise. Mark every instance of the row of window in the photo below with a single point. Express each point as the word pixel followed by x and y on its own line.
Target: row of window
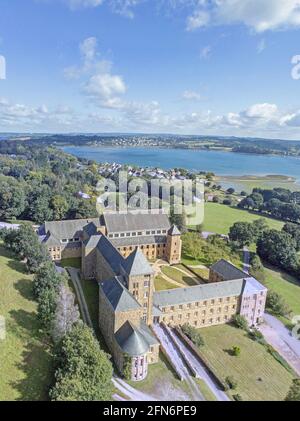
pixel 198 304
pixel 137 233
pixel 202 322
pixel 70 240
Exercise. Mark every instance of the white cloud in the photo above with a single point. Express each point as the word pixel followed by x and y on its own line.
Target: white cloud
pixel 121 7
pixel 260 15
pixel 106 87
pixel 205 53
pixel 257 120
pixel 77 4
pixel 261 46
pixel 198 19
pixel 191 95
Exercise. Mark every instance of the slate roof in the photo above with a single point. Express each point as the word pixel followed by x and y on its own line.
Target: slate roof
pixel 51 240
pixel 90 229
pixel 174 230
pixel 93 241
pixel 118 296
pixel 68 229
pixel 137 264
pixel 131 340
pixel 110 254
pixel 198 293
pixel 228 271
pixel 138 240
pixel 136 221
pixel 252 286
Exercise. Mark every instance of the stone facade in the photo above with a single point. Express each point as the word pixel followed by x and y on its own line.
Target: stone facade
pixel 115 250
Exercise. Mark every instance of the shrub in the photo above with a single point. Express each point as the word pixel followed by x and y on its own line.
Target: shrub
pixel 227 202
pixel 231 382
pixel 127 367
pixel 240 322
pixel 236 351
pixel 193 335
pixel 277 304
pixel 237 397
pixel 257 336
pixel 294 392
pixel 83 371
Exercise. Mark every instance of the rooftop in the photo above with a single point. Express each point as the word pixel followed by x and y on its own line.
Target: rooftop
pixel 198 293
pixel 136 221
pixel 228 271
pixel 68 229
pixel 119 296
pixel 137 264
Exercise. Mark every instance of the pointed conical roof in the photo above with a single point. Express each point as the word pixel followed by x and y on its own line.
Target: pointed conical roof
pixel 119 296
pixel 131 340
pixel 137 264
pixel 174 230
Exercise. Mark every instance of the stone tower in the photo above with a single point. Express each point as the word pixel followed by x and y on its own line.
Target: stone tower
pixel 174 243
pixel 140 282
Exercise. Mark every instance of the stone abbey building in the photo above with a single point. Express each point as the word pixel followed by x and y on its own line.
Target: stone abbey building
pixel 115 249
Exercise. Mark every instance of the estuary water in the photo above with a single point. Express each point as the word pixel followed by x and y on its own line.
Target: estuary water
pixel 219 162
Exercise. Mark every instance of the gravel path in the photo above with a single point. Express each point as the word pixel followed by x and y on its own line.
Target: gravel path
pixel 75 277
pixel 174 355
pixel 277 335
pixel 199 368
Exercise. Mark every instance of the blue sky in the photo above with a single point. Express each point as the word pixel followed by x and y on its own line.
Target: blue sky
pixel 176 66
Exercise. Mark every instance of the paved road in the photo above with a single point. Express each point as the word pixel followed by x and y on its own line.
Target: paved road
pixel 169 345
pixel 130 392
pixel 200 369
pixel 75 277
pixel 277 335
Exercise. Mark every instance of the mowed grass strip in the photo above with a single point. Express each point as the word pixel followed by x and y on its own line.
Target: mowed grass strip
pixel 219 218
pixel 260 377
pixel 178 276
pixel 161 284
pixel 285 285
pixel 25 358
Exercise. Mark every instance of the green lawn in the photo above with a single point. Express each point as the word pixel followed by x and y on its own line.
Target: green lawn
pixel 73 262
pixel 203 273
pixel 25 359
pixel 162 284
pixel 178 276
pixel 161 382
pixel 91 294
pixel 259 375
pixel 219 218
pixel 285 285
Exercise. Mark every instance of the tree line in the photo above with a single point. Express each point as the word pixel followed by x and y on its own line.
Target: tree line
pixel 82 370
pixel 279 203
pixel 40 183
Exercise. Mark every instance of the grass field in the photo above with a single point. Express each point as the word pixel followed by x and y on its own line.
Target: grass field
pixel 219 218
pixel 91 294
pixel 259 375
pixel 178 276
pixel 161 382
pixel 285 285
pixel 162 284
pixel 73 262
pixel 264 182
pixel 26 363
